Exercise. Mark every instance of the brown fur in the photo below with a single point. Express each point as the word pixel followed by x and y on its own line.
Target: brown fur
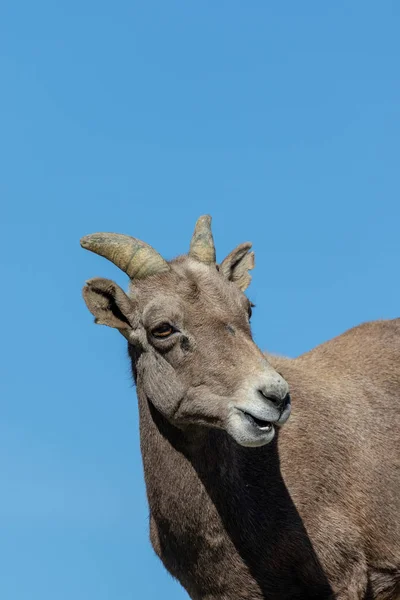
pixel 314 513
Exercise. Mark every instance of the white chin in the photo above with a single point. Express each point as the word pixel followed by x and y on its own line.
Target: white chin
pixel 247 434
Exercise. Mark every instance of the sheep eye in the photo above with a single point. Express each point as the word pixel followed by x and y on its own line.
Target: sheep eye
pixel 163 330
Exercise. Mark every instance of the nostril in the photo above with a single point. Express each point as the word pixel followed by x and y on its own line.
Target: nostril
pixel 280 402
pixel 271 397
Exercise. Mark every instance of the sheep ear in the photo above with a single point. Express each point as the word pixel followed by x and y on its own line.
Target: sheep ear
pixel 236 266
pixel 109 304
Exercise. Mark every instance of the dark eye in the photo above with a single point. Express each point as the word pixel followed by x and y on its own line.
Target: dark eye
pixel 162 331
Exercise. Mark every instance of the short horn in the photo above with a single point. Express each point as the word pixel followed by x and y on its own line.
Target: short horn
pixel 202 244
pixel 135 258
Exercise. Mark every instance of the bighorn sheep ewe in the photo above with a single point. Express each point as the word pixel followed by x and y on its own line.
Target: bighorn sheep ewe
pixel 242 504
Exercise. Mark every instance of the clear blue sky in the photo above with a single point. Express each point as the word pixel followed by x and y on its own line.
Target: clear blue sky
pixel 280 119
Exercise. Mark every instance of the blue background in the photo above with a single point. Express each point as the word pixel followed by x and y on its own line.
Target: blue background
pixel 281 120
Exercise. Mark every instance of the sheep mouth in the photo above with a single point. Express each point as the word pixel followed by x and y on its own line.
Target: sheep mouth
pixel 250 430
pixel 259 423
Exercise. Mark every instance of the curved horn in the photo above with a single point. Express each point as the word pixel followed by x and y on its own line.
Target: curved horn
pixel 202 244
pixel 135 258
